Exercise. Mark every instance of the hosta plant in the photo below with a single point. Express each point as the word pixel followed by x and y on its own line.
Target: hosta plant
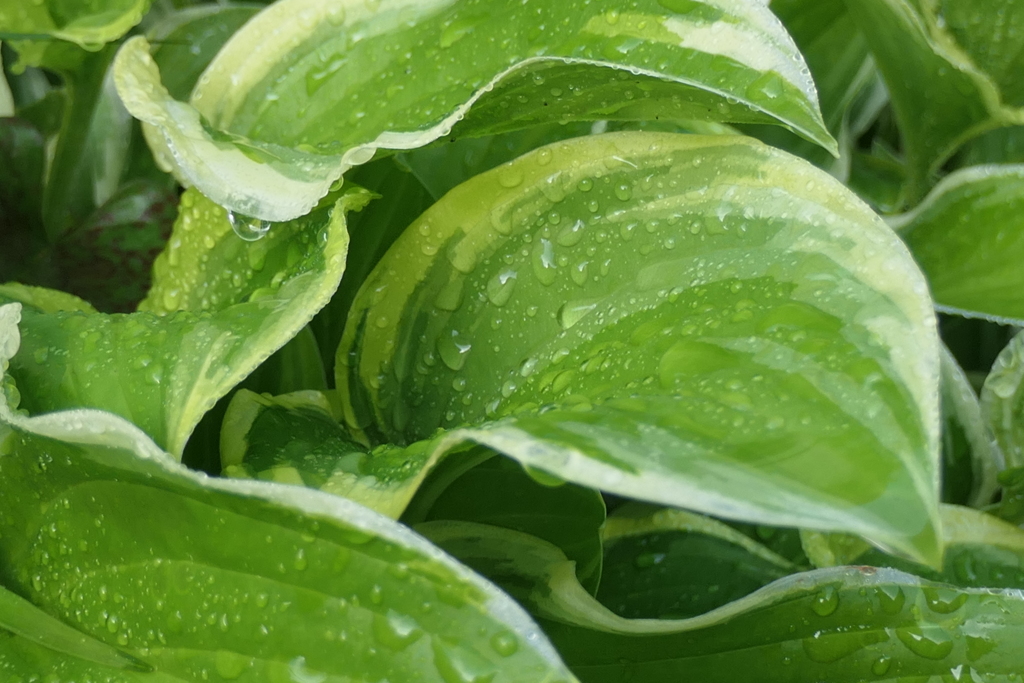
pixel 480 341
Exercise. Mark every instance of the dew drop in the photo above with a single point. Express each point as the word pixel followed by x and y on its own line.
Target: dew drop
pixel 248 228
pixel 891 598
pixel 456 665
pixel 499 287
pixel 543 259
pixel 880 666
pixel 928 641
pixel 571 235
pixel 396 631
pixel 453 350
pixel 826 601
pixel 944 600
pixel 504 643
pixel 571 312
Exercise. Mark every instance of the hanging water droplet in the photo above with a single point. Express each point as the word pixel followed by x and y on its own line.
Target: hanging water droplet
pixel 248 228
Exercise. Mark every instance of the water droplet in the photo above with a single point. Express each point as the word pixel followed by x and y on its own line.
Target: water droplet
pixel 499 287
pixel 230 665
pixel 543 258
pixel 299 673
pixel 928 640
pixel 248 228
pixel 578 273
pixel 300 562
pixel 510 176
pixel 571 235
pixel 826 601
pixel 944 600
pixel 891 598
pixel 880 666
pixel 505 643
pixel 571 312
pixel 457 665
pixel 453 350
pixel 396 631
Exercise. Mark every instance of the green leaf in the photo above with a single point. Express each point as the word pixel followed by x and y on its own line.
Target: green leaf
pixel 288 106
pixel 24 619
pixel 1002 401
pixel 982 551
pixel 671 564
pixel 93 141
pixel 967 238
pixel 991 32
pixel 218 308
pixel 87 23
pixel 242 579
pixel 694 321
pixel 296 439
pixel 6 97
pixel 442 167
pixel 837 56
pixel 44 300
pixel 500 493
pixel 843 625
pixel 186 41
pixel 371 231
pixel 940 96
pixel 971 459
pixel 1000 146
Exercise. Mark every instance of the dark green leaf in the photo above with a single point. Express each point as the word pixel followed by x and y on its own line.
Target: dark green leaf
pixel 670 564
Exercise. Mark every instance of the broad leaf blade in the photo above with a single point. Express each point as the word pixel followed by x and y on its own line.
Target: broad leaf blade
pixel 1002 400
pixel 296 439
pixel 843 625
pixel 219 307
pixel 967 237
pixel 838 58
pixel 982 551
pixel 671 564
pixel 701 322
pixel 500 493
pixel 24 619
pixel 941 98
pixel 294 99
pixel 88 23
pixel 991 32
pixel 186 41
pixel 971 459
pixel 241 578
